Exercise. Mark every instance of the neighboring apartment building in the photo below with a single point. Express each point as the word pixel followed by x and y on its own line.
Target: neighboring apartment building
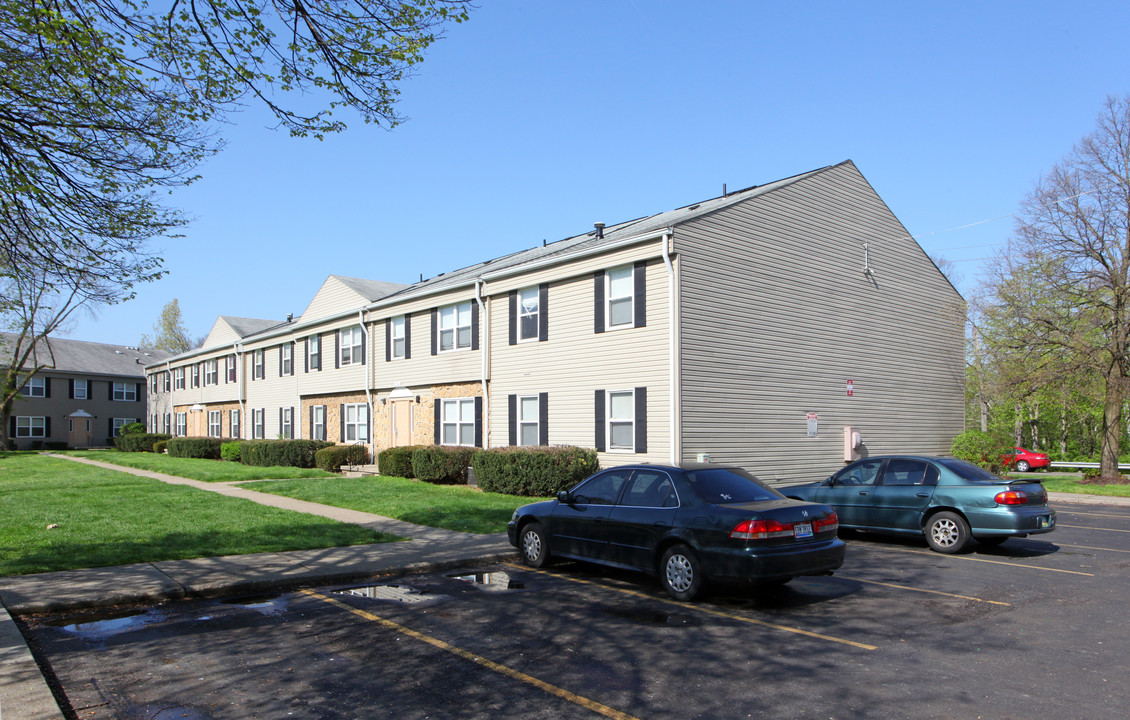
pixel 88 392
pixel 753 328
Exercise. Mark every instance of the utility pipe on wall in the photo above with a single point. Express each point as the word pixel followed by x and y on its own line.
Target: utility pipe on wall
pixel 484 350
pixel 237 348
pixel 673 348
pixel 368 391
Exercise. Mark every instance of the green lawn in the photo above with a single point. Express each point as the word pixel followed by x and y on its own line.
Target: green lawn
pixel 106 517
pixel 196 469
pixel 1069 483
pixel 454 507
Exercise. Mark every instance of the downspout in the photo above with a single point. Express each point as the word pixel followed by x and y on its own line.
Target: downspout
pixel 237 348
pixel 172 403
pixel 368 391
pixel 484 350
pixel 673 349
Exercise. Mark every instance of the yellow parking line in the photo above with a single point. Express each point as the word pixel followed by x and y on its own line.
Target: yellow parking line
pixel 973 559
pixel 1072 512
pixel 1089 547
pixel 924 590
pixel 478 659
pixel 1084 527
pixel 707 610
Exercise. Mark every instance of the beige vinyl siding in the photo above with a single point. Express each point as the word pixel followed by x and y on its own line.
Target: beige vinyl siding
pixel 330 379
pixel 424 369
pixel 334 297
pixel 221 334
pixel 576 361
pixel 777 315
pixel 270 393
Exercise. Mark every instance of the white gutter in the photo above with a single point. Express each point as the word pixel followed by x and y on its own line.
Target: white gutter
pixel 484 351
pixel 237 348
pixel 673 349
pixel 368 385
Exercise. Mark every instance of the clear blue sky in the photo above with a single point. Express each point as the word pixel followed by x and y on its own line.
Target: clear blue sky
pixel 535 119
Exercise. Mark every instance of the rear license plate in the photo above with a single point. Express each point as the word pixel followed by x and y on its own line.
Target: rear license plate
pixel 1046 521
pixel 802 530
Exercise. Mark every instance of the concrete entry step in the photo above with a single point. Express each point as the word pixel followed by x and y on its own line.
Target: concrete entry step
pixel 359 470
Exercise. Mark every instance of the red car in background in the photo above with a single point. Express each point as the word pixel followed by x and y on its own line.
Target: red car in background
pixel 1023 460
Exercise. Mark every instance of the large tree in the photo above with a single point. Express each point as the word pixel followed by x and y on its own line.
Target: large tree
pixel 169 333
pixel 104 103
pixel 1061 292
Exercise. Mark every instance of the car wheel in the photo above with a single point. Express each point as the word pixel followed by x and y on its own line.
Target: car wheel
pixel 993 540
pixel 947 532
pixel 680 573
pixel 533 545
pixel 1022 466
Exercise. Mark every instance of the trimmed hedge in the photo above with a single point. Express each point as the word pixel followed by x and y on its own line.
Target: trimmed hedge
pixel 333 457
pixel 441 463
pixel 533 471
pixel 195 447
pixel 397 461
pixel 139 442
pixel 160 447
pixel 287 453
pixel 230 450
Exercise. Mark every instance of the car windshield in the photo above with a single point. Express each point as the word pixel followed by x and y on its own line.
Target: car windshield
pixel 969 471
pixel 729 485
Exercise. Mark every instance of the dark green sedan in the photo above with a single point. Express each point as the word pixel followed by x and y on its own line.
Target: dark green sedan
pixel 949 501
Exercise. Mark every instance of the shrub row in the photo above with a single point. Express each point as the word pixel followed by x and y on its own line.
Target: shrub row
pixel 139 442
pixel 196 447
pixel 441 463
pixel 533 471
pixel 333 457
pixel 396 461
pixel 289 453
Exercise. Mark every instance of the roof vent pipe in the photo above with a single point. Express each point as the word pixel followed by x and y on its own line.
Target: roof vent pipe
pixel 723 189
pixel 599 229
pixel 290 317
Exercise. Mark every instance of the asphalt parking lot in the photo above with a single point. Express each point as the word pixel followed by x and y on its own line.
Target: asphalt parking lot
pixel 1030 629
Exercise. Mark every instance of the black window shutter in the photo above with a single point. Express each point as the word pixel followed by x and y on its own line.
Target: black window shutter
pixel 513 319
pixel 641 419
pixel 543 312
pixel 639 301
pixel 110 427
pixel 388 340
pixel 407 336
pixel 438 420
pixel 46 387
pixel 139 393
pixel 598 403
pixel 474 326
pixel 280 422
pixel 337 354
pixel 110 387
pixel 71 389
pixel 280 360
pixel 341 416
pixel 313 436
pixel 512 421
pixel 543 418
pixel 306 355
pixel 435 331
pixel 364 344
pixel 12 427
pixel 47 426
pixel 598 301
pixel 90 386
pixel 479 421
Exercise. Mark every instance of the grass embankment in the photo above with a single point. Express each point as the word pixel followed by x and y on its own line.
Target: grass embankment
pixel 453 507
pixel 197 469
pixel 1072 483
pixel 105 517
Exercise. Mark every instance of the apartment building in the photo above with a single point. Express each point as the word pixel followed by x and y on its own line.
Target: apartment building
pixel 761 328
pixel 83 398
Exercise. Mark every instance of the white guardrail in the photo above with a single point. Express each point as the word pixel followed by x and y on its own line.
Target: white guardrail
pixel 1122 466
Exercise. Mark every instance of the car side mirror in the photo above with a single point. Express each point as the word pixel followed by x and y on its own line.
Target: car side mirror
pixel 830 482
pixel 563 497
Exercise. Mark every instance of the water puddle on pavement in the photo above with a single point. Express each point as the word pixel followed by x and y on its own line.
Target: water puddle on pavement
pixel 494 581
pixel 109 624
pixel 402 594
pixel 654 617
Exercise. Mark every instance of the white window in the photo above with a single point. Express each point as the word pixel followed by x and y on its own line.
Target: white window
pixel 528 420
pixel 619 311
pixel 351 351
pixel 621 420
pixel 31 427
pixel 167 381
pixel 231 368
pixel 257 365
pixel 196 375
pixel 235 424
pixel 356 423
pixel 286 359
pixel 120 423
pixel 314 352
pixel 125 391
pixel 167 423
pixel 286 423
pixel 182 425
pixel 318 422
pixel 178 379
pixel 455 327
pixel 212 373
pixel 528 314
pixel 458 422
pixel 35 387
pixel 80 388
pixel 398 340
pixel 215 423
pixel 258 424
pixel 152 384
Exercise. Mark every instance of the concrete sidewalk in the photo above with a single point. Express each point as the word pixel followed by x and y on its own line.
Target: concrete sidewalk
pixel 24 694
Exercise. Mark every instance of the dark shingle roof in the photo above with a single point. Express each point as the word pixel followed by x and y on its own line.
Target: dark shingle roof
pixel 78 356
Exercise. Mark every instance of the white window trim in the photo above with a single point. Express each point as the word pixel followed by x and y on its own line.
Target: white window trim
pixel 127 389
pixel 82 384
pixel 358 425
pixel 536 314
pixel 397 333
pixel 181 429
pixel 314 352
pixel 258 364
pixel 234 420
pixel 30 426
pixel 211 372
pixel 287 352
pixel 215 429
pixel 457 423
pixel 178 378
pixel 631 297
pixel 230 368
pixel 318 422
pixel 524 422
pixel 119 423
pixel 258 424
pixel 450 314
pixel 354 348
pixel 610 420
pixel 286 423
pixel 36 386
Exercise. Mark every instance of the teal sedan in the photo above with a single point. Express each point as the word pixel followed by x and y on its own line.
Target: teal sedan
pixel 949 501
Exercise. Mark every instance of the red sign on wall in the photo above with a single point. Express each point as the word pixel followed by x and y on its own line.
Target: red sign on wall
pixel 850 388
